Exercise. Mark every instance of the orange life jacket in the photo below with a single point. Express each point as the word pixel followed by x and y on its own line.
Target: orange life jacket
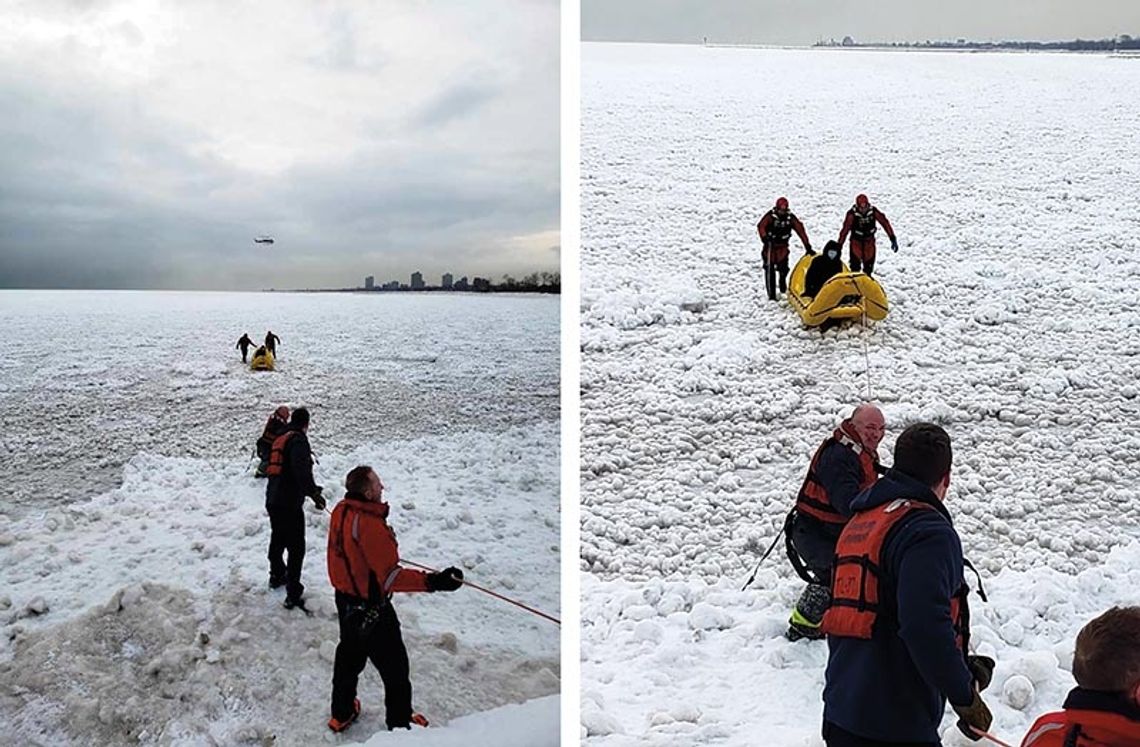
pixel 857 573
pixel 277 454
pixel 1083 728
pixel 363 556
pixel 813 499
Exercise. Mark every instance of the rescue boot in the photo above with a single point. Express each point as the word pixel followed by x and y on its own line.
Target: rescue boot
pixel 338 725
pixel 807 615
pixel 416 718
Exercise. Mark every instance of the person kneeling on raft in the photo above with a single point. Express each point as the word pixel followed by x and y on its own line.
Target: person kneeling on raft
pixel 822 268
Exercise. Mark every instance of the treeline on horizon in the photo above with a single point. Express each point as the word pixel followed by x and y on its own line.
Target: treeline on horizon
pixel 1124 41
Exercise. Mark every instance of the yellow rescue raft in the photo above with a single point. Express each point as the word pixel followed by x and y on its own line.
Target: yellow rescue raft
pixel 262 360
pixel 848 295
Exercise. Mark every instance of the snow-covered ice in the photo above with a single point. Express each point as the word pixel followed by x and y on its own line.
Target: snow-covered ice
pixel 141 614
pixel 1010 181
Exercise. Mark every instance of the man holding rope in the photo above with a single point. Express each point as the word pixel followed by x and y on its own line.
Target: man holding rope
pixel 364 568
pixel 898 628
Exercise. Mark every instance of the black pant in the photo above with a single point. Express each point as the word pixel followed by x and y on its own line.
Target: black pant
pixel 836 737
pixel 287 535
pixel 770 273
pixel 866 266
pixel 384 647
pixel 244 351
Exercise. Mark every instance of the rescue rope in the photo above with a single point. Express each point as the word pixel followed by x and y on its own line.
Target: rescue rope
pixel 990 737
pixel 515 602
pixel 495 594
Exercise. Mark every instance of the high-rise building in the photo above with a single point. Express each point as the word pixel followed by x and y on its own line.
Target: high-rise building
pixel 369 282
pixel 447 281
pixel 417 280
pixel 461 284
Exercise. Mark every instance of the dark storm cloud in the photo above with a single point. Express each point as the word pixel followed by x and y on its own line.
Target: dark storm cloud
pixel 806 21
pixel 121 168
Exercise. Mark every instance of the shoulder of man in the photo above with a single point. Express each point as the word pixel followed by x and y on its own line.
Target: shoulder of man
pixel 926 528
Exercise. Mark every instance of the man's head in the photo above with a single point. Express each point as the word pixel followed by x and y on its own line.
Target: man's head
pixel 862 204
pixel 832 250
pixel 364 481
pixel 300 419
pixel 782 205
pixel 282 413
pixel 923 452
pixel 869 423
pixel 1107 656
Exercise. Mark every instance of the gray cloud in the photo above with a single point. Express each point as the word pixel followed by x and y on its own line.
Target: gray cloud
pixel 797 22
pixel 135 156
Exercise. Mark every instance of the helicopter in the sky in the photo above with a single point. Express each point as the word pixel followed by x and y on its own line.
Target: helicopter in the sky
pixel 263 240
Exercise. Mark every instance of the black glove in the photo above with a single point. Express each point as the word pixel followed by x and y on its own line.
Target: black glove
pixel 894 245
pixel 982 667
pixel 974 716
pixel 809 250
pixel 449 579
pixel 320 499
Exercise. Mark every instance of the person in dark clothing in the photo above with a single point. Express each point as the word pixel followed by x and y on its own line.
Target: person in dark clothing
pixel 244 344
pixel 845 463
pixel 898 627
pixel 775 230
pixel 860 223
pixel 277 424
pixel 1103 710
pixel 822 268
pixel 364 568
pixel 290 481
pixel 271 341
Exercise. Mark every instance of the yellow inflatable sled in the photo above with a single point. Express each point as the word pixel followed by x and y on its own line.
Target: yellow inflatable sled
pixel 262 360
pixel 848 295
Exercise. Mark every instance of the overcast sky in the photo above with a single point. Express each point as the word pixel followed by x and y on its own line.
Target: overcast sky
pixel 796 22
pixel 145 143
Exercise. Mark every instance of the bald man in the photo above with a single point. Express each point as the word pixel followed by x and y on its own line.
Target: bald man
pixel 844 465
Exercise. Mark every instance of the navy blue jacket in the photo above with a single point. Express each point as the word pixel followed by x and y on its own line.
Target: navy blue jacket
pixel 840 473
pixel 288 490
pixel 894 686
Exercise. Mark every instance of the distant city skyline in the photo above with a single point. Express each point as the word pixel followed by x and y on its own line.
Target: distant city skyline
pixel 804 22
pixel 149 145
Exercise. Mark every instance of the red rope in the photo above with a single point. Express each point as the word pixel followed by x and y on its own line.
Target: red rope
pixel 465 582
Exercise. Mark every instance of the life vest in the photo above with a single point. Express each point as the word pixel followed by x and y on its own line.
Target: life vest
pixel 779 228
pixel 1083 728
pixel 863 224
pixel 277 454
pixel 813 499
pixel 857 574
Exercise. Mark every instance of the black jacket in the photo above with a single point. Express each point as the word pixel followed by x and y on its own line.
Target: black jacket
pixel 288 490
pixel 819 272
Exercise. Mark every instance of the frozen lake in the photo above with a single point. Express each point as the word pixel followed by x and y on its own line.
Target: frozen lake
pixel 1011 181
pixel 134 607
pixel 89 379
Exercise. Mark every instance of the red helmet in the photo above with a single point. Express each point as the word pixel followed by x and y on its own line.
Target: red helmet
pixel 781 203
pixel 282 412
pixel 862 201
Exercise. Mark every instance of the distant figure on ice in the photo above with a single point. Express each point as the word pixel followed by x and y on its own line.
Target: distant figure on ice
pixel 364 568
pixel 276 426
pixel 244 343
pixel 271 341
pixel 822 268
pixel 1103 710
pixel 843 465
pixel 775 230
pixel 290 480
pixel 898 626
pixel 860 223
